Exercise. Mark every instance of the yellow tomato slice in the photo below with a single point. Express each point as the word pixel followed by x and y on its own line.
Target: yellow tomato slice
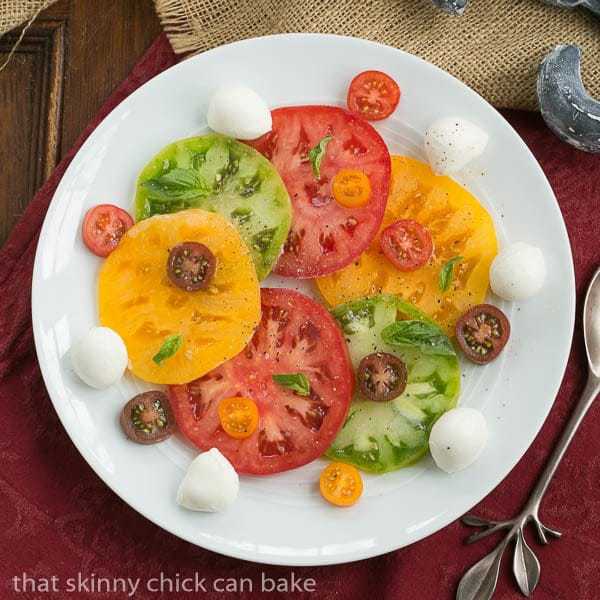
pixel 138 301
pixel 238 416
pixel 459 226
pixel 351 188
pixel 341 484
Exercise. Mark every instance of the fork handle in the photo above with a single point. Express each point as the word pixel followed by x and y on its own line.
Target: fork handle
pixel 591 390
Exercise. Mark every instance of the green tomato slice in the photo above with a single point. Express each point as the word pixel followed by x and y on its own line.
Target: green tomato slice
pixel 384 436
pixel 221 175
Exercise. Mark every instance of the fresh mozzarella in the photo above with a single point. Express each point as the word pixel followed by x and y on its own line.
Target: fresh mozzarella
pixel 452 143
pixel 518 272
pixel 458 438
pixel 210 484
pixel 100 357
pixel 239 112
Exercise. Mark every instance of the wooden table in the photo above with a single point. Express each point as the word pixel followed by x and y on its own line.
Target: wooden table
pixel 70 60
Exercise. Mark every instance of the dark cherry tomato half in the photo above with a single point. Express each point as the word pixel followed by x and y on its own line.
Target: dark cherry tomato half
pixel 147 418
pixel 406 244
pixel 103 227
pixel 381 376
pixel 482 333
pixel 191 266
pixel 373 95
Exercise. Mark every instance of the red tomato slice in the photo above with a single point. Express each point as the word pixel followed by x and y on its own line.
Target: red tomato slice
pixel 296 335
pixel 373 95
pixel 325 236
pixel 406 244
pixel 103 227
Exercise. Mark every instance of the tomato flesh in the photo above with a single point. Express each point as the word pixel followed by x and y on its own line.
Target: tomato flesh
pixel 295 335
pixel 373 95
pixel 103 227
pixel 326 236
pixel 407 244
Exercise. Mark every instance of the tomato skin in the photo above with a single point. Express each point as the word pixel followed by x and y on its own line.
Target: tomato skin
pixel 407 244
pixel 103 227
pixel 326 236
pixel 341 484
pixel 373 95
pixel 296 335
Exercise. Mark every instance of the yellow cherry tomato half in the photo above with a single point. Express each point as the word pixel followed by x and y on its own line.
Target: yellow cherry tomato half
pixel 238 416
pixel 341 484
pixel 351 188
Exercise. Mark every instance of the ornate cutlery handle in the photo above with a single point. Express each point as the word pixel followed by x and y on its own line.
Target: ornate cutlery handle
pixel 479 582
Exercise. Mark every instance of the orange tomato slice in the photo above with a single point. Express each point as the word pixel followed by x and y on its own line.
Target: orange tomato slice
pixel 459 226
pixel 351 188
pixel 138 301
pixel 238 416
pixel 341 484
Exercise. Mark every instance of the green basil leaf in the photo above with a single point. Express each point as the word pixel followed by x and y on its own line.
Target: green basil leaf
pixel 317 154
pixel 177 184
pixel 429 338
pixel 447 272
pixel 297 382
pixel 169 348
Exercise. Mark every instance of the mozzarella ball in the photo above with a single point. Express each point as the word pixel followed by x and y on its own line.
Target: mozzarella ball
pixel 518 272
pixel 452 143
pixel 100 357
pixel 239 112
pixel 458 438
pixel 210 484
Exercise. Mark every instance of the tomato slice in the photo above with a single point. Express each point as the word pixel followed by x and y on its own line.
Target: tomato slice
pixel 295 335
pixel 373 95
pixel 482 333
pixel 351 188
pixel 103 227
pixel 326 236
pixel 238 416
pixel 406 244
pixel 341 484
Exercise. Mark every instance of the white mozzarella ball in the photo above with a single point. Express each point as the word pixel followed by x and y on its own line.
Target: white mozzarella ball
pixel 518 272
pixel 458 438
pixel 452 143
pixel 210 484
pixel 100 357
pixel 239 112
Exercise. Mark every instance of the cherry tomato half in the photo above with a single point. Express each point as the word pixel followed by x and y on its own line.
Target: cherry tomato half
pixel 340 484
pixel 381 376
pixel 103 227
pixel 191 266
pixel 406 244
pixel 238 416
pixel 373 95
pixel 351 188
pixel 482 333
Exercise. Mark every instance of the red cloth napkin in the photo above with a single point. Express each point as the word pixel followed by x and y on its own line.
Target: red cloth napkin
pixel 57 519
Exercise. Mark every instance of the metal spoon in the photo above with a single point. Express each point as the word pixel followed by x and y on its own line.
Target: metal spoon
pixel 479 582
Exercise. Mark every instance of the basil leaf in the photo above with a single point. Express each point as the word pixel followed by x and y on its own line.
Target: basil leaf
pixel 447 272
pixel 317 154
pixel 427 337
pixel 297 382
pixel 177 184
pixel 169 348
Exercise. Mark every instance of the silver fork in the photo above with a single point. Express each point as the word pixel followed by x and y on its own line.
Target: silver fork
pixel 479 582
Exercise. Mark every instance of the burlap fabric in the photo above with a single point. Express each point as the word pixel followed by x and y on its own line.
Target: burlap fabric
pixel 495 47
pixel 15 12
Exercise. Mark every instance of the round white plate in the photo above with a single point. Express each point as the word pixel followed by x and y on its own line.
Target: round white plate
pixel 281 519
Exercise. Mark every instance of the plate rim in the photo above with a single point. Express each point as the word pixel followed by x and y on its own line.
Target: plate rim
pixel 319 559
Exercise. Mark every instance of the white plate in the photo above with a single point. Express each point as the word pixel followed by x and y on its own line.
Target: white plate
pixel 281 519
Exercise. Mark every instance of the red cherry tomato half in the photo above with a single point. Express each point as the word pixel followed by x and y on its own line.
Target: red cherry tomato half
pixel 406 244
pixel 103 227
pixel 373 95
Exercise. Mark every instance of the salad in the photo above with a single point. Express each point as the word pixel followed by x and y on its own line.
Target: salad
pixel 365 371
